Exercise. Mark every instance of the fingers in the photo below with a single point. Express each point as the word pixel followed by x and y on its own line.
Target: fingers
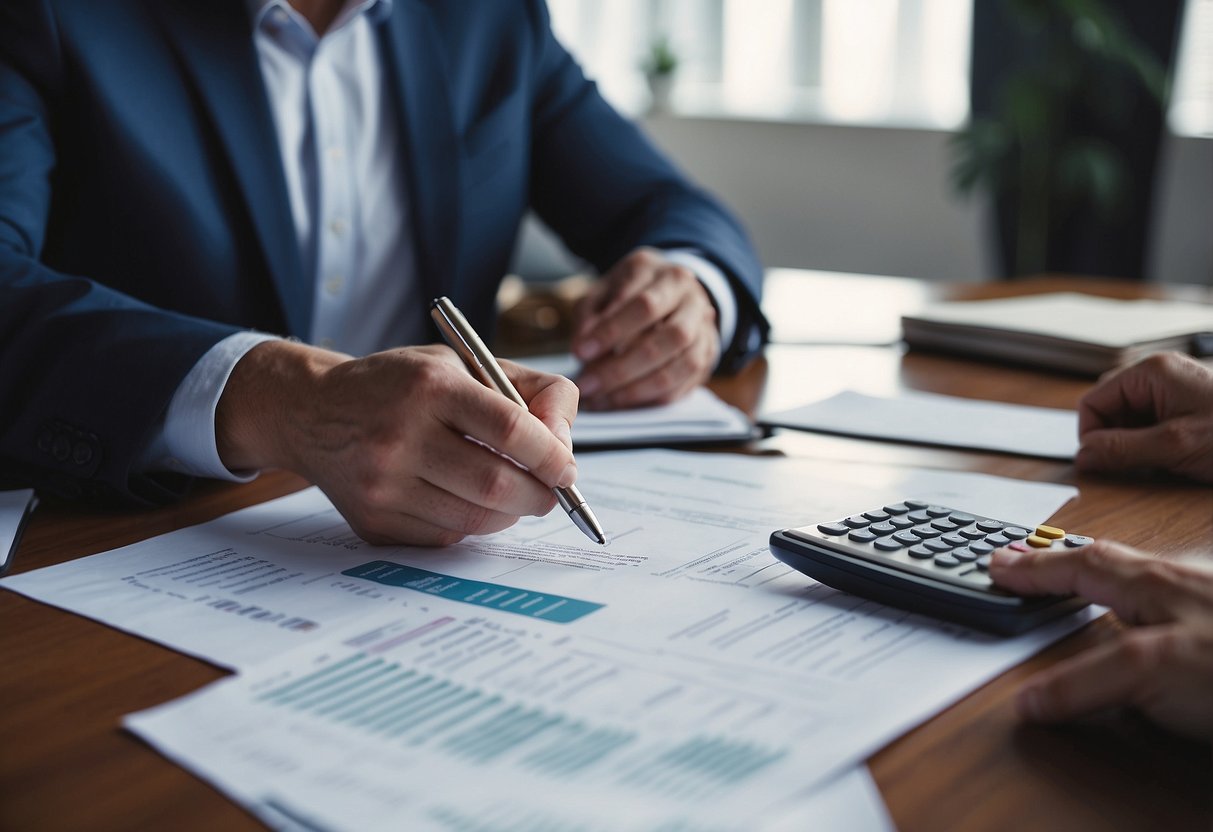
pixel 659 368
pixel 1141 589
pixel 552 399
pixel 472 484
pixel 1119 673
pixel 651 338
pixel 486 415
pixel 1166 445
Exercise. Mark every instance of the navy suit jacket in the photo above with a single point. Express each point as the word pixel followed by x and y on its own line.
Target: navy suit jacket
pixel 144 213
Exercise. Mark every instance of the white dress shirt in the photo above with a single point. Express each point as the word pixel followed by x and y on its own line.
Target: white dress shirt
pixel 346 182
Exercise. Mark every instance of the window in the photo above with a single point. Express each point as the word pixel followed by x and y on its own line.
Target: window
pixel 878 62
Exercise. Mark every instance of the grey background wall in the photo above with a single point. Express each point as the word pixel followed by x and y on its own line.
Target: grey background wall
pixel 876 200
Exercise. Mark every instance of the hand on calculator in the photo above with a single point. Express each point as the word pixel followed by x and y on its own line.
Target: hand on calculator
pixel 929 559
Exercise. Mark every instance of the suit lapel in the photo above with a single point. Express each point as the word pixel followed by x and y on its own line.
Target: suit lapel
pixel 214 40
pixel 430 143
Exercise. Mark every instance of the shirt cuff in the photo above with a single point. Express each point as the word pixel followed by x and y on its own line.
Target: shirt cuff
pixel 718 287
pixel 186 443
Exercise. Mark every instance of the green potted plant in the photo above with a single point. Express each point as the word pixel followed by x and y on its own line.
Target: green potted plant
pixel 659 66
pixel 1048 149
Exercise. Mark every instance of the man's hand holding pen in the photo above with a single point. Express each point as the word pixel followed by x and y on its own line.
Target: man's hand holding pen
pixel 384 437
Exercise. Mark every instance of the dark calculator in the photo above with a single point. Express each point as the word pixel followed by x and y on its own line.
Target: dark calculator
pixel 927 559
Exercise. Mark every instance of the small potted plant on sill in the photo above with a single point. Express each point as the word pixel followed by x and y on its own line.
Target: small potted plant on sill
pixel 659 67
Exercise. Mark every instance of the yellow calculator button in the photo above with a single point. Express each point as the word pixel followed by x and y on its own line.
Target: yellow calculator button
pixel 1039 542
pixel 1050 532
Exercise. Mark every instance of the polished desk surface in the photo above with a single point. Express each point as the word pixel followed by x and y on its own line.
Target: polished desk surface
pixel 66 764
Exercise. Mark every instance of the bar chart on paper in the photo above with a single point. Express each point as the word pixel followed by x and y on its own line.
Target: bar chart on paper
pixel 397 704
pixel 420 706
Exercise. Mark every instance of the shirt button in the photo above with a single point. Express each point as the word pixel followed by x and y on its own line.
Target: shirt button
pixel 334 284
pixel 336 153
pixel 337 227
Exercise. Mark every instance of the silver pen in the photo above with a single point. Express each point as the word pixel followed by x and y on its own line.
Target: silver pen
pixel 464 341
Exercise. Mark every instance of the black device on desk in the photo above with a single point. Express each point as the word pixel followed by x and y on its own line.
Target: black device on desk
pixel 927 559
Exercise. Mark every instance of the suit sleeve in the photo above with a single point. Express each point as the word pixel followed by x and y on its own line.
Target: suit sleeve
pixel 605 189
pixel 85 372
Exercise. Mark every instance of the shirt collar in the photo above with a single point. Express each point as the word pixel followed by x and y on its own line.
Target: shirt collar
pixel 375 10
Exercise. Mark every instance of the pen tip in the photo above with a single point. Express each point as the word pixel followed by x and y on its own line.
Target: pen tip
pixel 602 540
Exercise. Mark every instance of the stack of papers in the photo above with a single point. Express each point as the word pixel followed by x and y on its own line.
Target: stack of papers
pixel 679 677
pixel 1063 330
pixel 15 509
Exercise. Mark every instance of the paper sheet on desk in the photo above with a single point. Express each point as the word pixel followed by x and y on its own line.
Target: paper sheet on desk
pixel 699 417
pixel 940 420
pixel 249 585
pixel 443 720
pixel 686 596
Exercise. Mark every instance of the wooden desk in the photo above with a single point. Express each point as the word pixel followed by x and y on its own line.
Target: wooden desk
pixel 65 764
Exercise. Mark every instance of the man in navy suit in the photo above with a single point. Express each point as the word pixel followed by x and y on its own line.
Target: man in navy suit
pixel 221 221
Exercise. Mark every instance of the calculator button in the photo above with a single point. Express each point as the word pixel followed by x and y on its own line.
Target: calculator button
pixel 1050 532
pixel 972 533
pixel 964 554
pixel 907 537
pixel 944 524
pixel 979 547
pixel 901 522
pixel 920 552
pixel 946 561
pixel 1076 540
pixel 925 531
pixel 882 528
pixel 961 519
pixel 861 536
pixel 954 539
pixel 887 544
pixel 857 522
pixel 937 545
pixel 1038 542
pixel 983 563
pixel 937 511
pixel 897 508
pixel 999 539
pixel 915 503
pixel 1015 533
pixel 833 528
pixel 876 515
pixel 919 516
pixel 990 525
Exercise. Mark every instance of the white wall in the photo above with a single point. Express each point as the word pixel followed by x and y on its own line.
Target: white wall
pixel 877 200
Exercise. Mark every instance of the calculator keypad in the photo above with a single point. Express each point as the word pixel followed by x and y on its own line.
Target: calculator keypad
pixel 924 537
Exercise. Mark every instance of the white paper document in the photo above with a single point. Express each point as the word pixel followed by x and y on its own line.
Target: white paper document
pixel 440 719
pixel 940 420
pixel 256 582
pixel 697 418
pixel 679 677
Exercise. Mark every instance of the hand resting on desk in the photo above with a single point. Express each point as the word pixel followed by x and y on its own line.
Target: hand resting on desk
pixel 384 437
pixel 1157 413
pixel 646 333
pixel 1162 665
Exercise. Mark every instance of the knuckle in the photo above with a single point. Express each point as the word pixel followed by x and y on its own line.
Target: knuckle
pixel 477 520
pixel 1143 653
pixel 647 305
pixel 681 336
pixel 511 425
pixel 495 486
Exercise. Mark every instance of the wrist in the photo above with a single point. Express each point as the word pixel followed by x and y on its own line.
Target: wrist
pixel 267 395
